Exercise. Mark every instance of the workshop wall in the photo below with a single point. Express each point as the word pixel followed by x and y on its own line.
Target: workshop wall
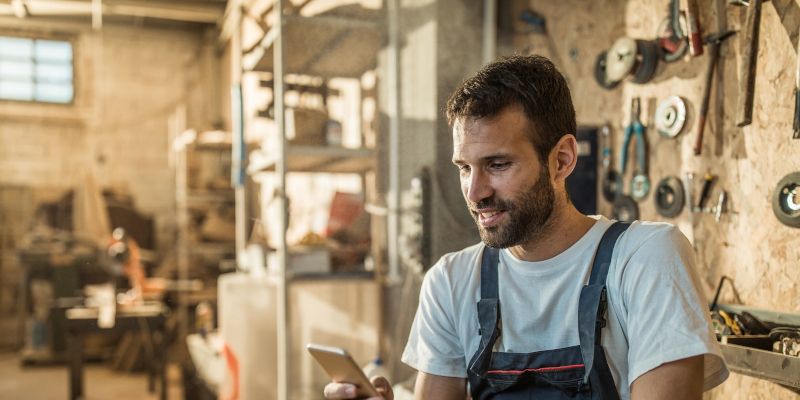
pixel 439 48
pixel 748 244
pixel 128 80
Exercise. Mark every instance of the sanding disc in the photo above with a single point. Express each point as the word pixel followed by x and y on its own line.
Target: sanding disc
pixel 621 58
pixel 612 185
pixel 669 197
pixel 625 209
pixel 640 186
pixel 600 74
pixel 670 116
pixel 786 200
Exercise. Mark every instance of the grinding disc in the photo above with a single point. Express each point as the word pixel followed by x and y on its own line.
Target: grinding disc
pixel 672 45
pixel 625 209
pixel 648 60
pixel 640 186
pixel 669 197
pixel 621 58
pixel 612 185
pixel 786 200
pixel 670 116
pixel 600 72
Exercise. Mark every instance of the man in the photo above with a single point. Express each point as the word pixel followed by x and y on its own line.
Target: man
pixel 560 314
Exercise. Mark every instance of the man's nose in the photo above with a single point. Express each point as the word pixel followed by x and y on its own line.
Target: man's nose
pixel 477 187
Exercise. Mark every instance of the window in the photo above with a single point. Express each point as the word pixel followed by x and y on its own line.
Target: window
pixel 35 70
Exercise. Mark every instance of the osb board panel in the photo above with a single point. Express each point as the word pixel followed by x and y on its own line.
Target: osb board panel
pixel 748 244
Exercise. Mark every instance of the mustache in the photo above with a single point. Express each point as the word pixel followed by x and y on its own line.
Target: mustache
pixel 491 202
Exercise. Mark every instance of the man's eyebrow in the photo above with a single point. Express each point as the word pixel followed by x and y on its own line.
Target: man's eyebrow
pixel 486 158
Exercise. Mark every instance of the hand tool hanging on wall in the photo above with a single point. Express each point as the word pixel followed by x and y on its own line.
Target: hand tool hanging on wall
pixel 796 123
pixel 747 80
pixel 673 46
pixel 669 197
pixel 640 185
pixel 612 181
pixel 713 40
pixel 670 116
pixel 693 31
pixel 717 211
pixel 708 179
pixel 786 200
pixel 676 18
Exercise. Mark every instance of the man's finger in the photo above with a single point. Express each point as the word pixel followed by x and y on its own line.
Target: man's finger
pixel 383 387
pixel 335 391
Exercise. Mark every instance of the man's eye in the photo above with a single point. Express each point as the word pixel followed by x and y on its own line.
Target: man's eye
pixel 499 165
pixel 463 168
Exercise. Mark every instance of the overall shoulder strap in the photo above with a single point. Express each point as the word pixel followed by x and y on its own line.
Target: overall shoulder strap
pixel 592 304
pixel 489 263
pixel 488 312
pixel 605 250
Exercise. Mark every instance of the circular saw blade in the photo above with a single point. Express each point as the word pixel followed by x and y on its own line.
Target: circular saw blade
pixel 670 116
pixel 621 58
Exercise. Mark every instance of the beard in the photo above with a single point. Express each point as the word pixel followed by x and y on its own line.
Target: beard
pixel 527 215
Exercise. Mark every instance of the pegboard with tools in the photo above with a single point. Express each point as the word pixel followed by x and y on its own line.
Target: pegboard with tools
pixel 737 222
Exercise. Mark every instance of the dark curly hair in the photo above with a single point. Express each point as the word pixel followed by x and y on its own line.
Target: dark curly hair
pixel 531 82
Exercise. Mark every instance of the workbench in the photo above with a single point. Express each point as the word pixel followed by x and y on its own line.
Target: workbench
pixel 148 319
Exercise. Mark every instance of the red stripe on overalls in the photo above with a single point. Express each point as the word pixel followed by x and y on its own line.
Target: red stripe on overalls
pixel 538 369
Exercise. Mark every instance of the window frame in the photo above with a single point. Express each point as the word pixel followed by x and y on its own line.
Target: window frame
pixel 56 37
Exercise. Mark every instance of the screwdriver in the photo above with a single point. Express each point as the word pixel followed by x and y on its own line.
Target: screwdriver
pixel 704 193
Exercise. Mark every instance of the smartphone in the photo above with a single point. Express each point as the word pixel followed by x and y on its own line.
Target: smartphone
pixel 343 369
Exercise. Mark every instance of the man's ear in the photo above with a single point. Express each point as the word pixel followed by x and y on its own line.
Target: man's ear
pixel 565 154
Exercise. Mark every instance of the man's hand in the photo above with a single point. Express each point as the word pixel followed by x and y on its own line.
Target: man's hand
pixel 681 379
pixel 348 391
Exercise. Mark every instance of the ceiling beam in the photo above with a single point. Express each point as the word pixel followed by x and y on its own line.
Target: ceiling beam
pixel 19 8
pixel 147 9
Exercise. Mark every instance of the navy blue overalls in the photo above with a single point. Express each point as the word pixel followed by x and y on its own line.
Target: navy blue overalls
pixel 577 372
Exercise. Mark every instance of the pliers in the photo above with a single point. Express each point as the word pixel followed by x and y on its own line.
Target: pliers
pixel 634 127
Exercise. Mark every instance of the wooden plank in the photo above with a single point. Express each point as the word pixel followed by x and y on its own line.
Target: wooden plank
pixel 747 79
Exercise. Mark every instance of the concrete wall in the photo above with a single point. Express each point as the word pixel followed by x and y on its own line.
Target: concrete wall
pixel 439 48
pixel 128 81
pixel 748 244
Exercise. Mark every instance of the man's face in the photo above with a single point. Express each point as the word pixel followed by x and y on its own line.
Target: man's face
pixel 508 191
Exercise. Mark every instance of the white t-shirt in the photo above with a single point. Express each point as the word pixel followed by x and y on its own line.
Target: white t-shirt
pixel 657 312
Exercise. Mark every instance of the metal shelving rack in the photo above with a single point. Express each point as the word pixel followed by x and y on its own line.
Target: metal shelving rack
pixel 185 199
pixel 334 46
